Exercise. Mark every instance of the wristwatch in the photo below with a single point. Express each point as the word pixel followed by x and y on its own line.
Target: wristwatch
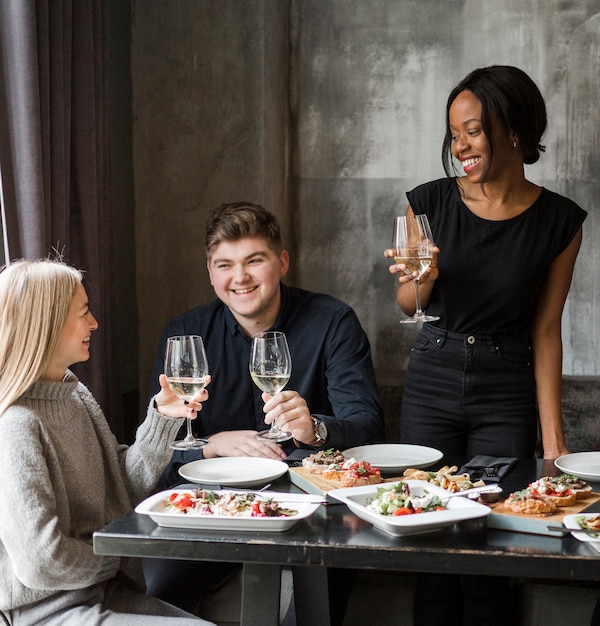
pixel 320 430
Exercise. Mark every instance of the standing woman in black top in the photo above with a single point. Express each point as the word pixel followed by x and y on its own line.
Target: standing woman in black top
pixel 506 249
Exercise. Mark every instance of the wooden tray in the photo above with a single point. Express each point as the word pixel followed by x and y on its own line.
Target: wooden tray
pixel 505 519
pixel 313 483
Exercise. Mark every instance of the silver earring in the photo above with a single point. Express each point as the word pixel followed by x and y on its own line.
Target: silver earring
pixel 514 144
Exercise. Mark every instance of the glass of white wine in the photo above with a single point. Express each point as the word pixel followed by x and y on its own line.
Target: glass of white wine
pixel 270 369
pixel 186 369
pixel 412 244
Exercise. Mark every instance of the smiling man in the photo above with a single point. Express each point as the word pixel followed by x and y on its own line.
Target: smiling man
pixel 331 398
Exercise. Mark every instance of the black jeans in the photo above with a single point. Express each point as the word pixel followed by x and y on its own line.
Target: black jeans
pixel 470 394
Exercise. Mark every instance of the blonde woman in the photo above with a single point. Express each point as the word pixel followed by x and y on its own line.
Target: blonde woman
pixel 63 473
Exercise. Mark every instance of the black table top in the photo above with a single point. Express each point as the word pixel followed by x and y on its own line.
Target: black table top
pixel 334 537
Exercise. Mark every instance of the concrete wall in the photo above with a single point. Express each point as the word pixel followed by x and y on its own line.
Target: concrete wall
pixel 327 111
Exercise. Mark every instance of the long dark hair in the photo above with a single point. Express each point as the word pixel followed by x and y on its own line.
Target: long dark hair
pixel 509 95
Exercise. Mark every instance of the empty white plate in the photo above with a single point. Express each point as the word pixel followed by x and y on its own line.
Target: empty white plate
pixel 233 471
pixel 395 457
pixel 586 465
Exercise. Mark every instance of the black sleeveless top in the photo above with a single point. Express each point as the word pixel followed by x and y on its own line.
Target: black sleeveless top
pixel 491 272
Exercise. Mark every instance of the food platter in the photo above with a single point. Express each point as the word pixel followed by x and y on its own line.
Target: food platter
pixel 395 457
pixel 570 522
pixel 233 471
pixel 458 509
pixel 154 507
pixel 585 465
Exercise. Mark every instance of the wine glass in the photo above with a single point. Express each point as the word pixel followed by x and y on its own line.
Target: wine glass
pixel 270 369
pixel 412 244
pixel 186 369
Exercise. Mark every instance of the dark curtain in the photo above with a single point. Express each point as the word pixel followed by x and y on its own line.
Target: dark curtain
pixel 54 157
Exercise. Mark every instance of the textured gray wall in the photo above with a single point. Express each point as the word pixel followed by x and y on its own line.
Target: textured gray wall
pixel 327 112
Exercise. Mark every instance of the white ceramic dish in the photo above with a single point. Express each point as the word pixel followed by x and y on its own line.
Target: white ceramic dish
pixel 458 509
pixel 233 471
pixel 154 506
pixel 586 465
pixel 570 521
pixel 395 457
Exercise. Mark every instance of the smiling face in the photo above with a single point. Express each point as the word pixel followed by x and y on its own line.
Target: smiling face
pixel 470 144
pixel 245 275
pixel 74 342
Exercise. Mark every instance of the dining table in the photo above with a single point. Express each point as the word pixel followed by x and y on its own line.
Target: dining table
pixel 334 537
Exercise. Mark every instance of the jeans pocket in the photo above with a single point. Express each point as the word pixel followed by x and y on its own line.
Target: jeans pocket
pixel 423 344
pixel 516 354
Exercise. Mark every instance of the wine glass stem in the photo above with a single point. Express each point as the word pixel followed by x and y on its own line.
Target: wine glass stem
pixel 190 435
pixel 418 312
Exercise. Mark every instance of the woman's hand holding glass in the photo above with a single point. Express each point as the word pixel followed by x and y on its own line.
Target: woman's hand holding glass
pixel 416 258
pixel 169 405
pixel 429 275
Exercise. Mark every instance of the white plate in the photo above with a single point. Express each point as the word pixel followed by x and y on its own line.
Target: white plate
pixel 395 457
pixel 570 521
pixel 586 465
pixel 233 471
pixel 458 509
pixel 154 506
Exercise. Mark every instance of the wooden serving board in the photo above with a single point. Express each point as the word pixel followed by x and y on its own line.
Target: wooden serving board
pixel 505 519
pixel 313 483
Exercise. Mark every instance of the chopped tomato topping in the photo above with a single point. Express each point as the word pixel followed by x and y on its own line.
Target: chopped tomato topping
pixel 403 510
pixel 256 512
pixel 181 500
pixel 362 468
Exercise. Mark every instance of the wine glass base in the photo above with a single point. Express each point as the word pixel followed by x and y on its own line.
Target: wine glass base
pixel 278 437
pixel 182 444
pixel 420 318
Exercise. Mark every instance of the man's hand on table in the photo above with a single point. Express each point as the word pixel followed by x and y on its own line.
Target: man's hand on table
pixel 242 443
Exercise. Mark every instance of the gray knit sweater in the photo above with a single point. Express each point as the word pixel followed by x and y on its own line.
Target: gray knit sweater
pixel 62 476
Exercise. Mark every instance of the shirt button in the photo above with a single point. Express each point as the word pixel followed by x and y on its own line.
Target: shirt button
pixel 471 339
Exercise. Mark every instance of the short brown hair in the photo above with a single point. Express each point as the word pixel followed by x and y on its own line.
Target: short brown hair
pixel 237 220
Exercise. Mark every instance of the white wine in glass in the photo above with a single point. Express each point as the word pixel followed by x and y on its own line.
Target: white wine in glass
pixel 412 244
pixel 186 369
pixel 270 368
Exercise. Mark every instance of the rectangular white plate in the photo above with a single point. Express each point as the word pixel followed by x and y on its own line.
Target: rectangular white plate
pixel 154 506
pixel 458 509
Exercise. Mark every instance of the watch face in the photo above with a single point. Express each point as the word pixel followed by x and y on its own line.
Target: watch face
pixel 321 430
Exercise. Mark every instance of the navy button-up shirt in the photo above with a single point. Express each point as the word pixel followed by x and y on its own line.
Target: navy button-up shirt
pixel 331 368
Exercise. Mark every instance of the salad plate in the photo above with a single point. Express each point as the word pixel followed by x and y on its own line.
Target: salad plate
pixel 571 522
pixel 585 465
pixel 233 471
pixel 457 509
pixel 395 457
pixel 156 507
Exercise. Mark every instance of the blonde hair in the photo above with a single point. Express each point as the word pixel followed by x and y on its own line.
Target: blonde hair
pixel 35 297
